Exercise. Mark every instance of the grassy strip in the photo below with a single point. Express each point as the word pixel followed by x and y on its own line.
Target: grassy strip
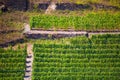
pixel 91 21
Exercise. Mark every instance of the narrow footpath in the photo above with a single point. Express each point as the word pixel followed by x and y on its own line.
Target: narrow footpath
pixel 29 61
pixel 35 34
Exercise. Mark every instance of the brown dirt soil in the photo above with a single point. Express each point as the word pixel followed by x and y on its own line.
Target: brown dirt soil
pixel 30 48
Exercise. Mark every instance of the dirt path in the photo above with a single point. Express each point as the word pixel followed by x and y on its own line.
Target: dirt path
pixel 56 32
pixel 35 34
pixel 29 62
pixel 101 33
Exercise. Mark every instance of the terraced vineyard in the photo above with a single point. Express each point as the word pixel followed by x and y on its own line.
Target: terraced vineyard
pixel 79 58
pixel 92 55
pixel 12 64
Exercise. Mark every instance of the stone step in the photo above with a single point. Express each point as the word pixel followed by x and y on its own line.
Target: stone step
pixel 28 64
pixel 28 69
pixel 29 61
pixel 29 56
pixel 27 78
pixel 27 75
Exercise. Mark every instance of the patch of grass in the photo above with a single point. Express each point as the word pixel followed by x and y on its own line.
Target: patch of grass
pixel 10 37
pixel 13 20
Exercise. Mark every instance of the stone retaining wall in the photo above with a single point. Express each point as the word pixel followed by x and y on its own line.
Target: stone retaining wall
pixel 43 4
pixel 16 4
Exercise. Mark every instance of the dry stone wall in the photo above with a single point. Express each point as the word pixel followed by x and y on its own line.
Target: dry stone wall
pixel 60 5
pixel 16 4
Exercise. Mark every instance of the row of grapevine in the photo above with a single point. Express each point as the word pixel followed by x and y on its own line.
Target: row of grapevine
pixel 73 61
pixel 77 46
pixel 80 51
